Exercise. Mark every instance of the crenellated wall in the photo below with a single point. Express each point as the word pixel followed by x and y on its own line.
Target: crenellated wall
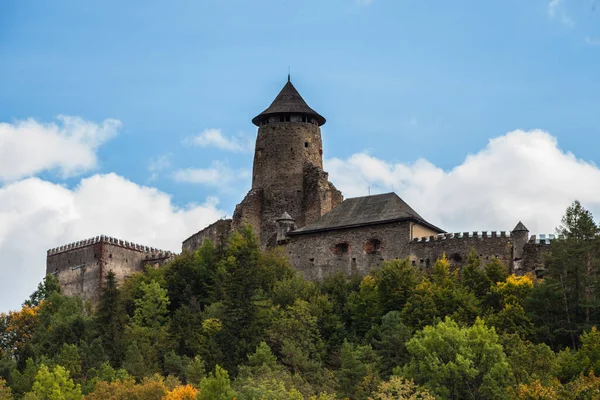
pixel 82 266
pixel 457 246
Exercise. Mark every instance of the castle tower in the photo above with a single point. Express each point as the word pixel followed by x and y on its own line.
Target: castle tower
pixel 520 235
pixel 287 174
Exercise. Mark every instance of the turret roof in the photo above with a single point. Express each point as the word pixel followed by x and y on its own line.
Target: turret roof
pixel 289 101
pixel 520 228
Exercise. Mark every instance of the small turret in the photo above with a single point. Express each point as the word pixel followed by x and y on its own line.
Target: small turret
pixel 520 235
pixel 285 224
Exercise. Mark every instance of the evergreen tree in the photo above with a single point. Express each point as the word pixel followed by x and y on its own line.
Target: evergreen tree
pixel 111 320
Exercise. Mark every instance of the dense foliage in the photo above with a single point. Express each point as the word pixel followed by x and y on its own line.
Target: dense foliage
pixel 237 322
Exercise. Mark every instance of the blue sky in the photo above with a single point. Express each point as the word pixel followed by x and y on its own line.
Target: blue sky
pixel 413 91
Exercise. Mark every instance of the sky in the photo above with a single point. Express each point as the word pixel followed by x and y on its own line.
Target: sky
pixel 133 119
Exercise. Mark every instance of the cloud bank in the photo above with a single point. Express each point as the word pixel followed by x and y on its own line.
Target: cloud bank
pixel 68 146
pixel 36 215
pixel 519 176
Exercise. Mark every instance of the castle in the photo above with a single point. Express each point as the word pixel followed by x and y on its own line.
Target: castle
pixel 292 204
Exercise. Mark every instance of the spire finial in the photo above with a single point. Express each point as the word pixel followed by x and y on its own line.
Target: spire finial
pixel 289 78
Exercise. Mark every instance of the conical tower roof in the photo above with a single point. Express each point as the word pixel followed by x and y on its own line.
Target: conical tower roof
pixel 288 101
pixel 520 228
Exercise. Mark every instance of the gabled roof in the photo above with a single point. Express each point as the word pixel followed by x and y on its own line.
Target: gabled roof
pixel 367 210
pixel 289 101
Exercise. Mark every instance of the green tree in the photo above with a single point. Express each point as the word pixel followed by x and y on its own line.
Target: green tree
pixel 458 363
pixel 149 325
pixel 111 320
pixel 396 282
pixel 48 286
pixel 55 384
pixel 358 374
pixel 389 342
pixel 216 386
pixel 473 277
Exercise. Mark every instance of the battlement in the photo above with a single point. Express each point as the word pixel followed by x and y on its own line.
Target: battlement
pixel 544 239
pixel 463 235
pixel 151 251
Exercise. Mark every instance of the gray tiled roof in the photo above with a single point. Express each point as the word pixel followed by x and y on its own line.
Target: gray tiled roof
pixel 289 101
pixel 367 210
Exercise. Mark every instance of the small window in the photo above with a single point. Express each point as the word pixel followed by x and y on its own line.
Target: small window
pixel 281 118
pixel 373 246
pixel 304 118
pixel 305 144
pixel 414 263
pixel 341 248
pixel 287 118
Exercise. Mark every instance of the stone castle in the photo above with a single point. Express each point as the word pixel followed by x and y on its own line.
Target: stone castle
pixel 292 204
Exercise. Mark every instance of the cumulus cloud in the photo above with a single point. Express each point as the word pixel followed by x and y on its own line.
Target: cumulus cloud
pixel 36 215
pixel 218 175
pixel 68 146
pixel 215 138
pixel 519 176
pixel 556 10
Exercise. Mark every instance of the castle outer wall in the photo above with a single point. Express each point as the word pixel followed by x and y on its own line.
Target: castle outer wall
pixel 361 250
pixel 81 267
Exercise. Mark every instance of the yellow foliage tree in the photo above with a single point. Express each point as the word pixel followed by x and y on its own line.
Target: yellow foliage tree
pixel 187 392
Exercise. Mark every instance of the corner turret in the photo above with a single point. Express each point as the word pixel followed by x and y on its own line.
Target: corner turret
pixel 520 236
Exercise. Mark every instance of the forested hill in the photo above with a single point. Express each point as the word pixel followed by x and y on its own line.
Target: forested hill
pixel 236 322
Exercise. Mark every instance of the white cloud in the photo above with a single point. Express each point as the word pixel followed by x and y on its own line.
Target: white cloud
pixel 219 175
pixel 36 215
pixel 556 10
pixel 215 138
pixel 159 164
pixel 519 176
pixel 69 146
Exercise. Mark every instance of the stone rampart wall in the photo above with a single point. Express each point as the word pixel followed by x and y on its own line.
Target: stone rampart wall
pixel 217 233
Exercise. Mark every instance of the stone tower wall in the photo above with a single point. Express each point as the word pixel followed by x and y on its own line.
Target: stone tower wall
pixel 82 266
pixel 287 177
pixel 283 149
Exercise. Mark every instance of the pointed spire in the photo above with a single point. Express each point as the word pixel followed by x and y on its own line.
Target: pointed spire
pixel 520 228
pixel 287 102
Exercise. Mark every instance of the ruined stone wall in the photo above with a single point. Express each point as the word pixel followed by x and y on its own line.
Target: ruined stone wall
pixel 320 195
pixel 82 266
pixel 217 233
pixel 318 255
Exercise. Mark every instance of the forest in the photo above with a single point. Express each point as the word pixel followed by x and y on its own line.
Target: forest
pixel 236 322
